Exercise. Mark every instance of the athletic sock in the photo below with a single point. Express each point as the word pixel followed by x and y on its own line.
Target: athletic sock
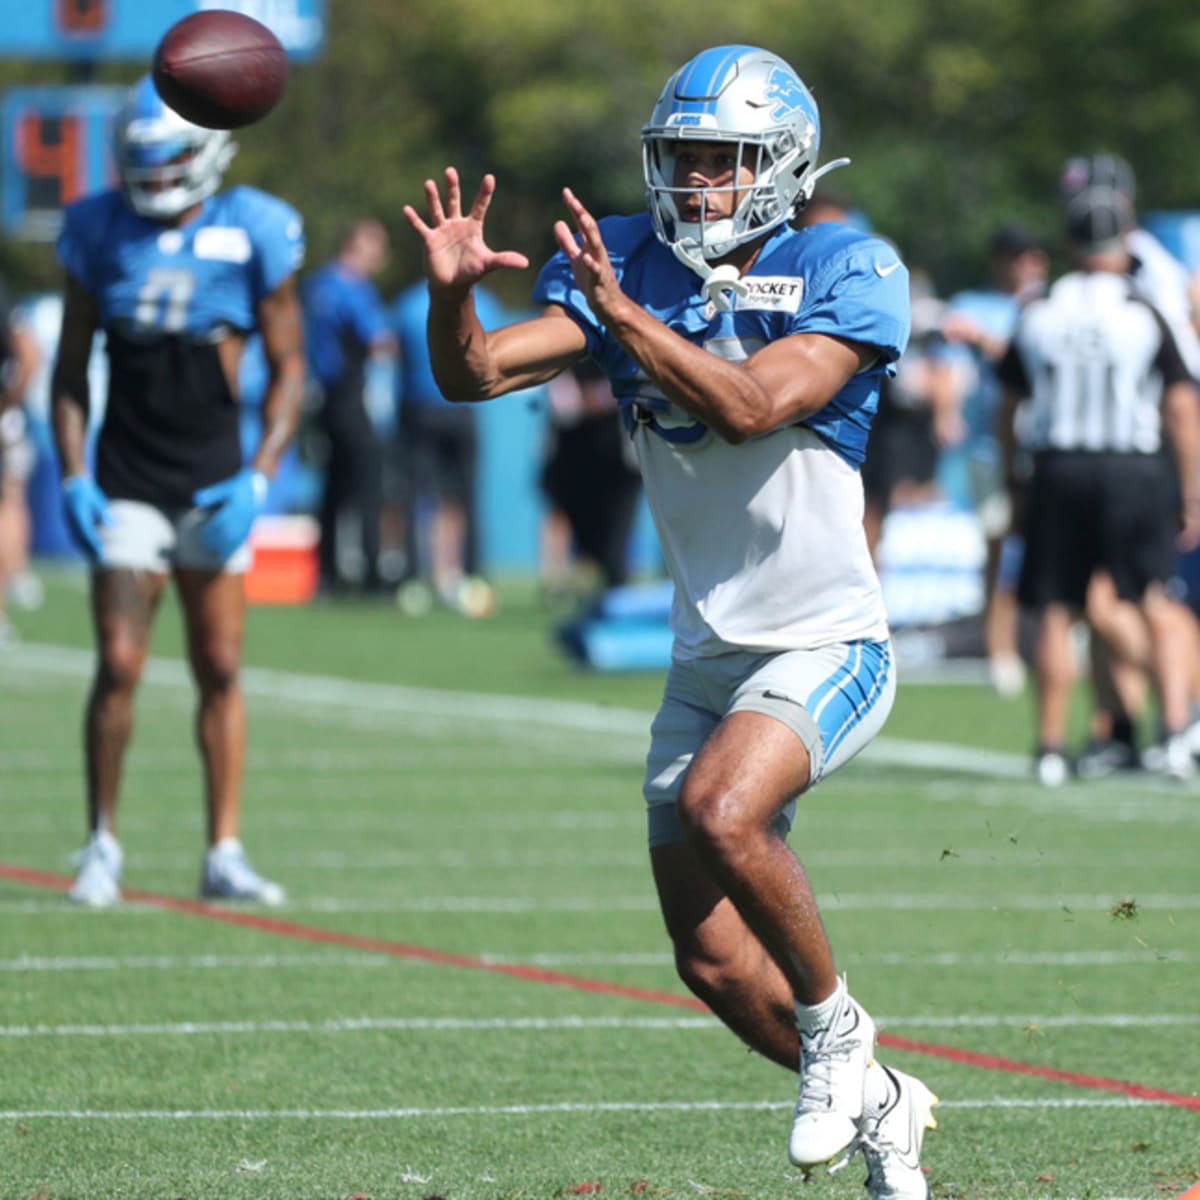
pixel 811 1017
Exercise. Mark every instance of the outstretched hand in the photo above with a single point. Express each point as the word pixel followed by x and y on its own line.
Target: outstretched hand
pixel 588 257
pixel 456 253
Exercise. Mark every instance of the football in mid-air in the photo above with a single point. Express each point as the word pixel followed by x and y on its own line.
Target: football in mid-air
pixel 220 69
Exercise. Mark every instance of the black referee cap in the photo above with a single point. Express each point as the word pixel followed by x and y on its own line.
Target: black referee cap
pixel 1098 218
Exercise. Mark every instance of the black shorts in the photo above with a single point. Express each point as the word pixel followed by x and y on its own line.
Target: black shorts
pixel 440 449
pixel 1088 512
pixel 900 449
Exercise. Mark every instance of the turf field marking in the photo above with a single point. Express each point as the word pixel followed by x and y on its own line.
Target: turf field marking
pixel 519 1110
pixel 526 906
pixel 334 1025
pixel 268 962
pixel 289 929
pixel 175 962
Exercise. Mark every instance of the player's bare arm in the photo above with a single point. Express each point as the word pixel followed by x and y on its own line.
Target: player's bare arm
pixel 69 386
pixel 282 327
pixel 775 386
pixel 468 362
pixel 1181 413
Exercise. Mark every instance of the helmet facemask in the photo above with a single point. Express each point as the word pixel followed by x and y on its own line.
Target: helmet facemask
pixel 756 103
pixel 166 164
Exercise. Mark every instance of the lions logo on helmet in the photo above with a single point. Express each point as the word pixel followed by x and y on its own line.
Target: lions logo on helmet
pixel 755 101
pixel 166 164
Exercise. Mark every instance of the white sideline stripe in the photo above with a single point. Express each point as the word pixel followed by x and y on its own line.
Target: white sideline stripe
pixel 466 708
pixel 519 1110
pixel 546 1024
pixel 175 962
pixel 269 962
pixel 518 906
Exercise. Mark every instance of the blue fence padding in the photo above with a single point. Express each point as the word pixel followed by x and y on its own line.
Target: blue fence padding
pixel 618 645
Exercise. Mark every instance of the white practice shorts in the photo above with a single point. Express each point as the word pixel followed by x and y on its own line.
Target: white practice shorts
pixel 834 698
pixel 143 537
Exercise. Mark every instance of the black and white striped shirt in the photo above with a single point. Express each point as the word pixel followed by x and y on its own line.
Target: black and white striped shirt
pixel 1094 357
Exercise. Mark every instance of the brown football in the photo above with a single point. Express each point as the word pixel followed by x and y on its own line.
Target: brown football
pixel 220 69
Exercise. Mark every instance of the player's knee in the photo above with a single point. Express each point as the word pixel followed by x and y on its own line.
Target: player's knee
pixel 217 662
pixel 715 820
pixel 120 666
pixel 706 965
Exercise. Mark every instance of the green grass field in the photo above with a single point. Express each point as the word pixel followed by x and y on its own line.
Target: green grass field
pixel 445 798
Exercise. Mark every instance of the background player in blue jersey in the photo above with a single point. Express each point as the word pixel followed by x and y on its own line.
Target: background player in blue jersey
pixel 346 325
pixel 176 274
pixel 746 356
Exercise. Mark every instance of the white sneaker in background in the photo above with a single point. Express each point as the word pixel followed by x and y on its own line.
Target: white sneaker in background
pixel 1051 768
pixel 98 879
pixel 228 875
pixel 833 1071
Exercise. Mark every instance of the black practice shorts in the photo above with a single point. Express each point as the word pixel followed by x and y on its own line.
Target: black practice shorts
pixel 440 450
pixel 1087 512
pixel 900 450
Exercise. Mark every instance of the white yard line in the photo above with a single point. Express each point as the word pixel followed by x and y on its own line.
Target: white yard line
pixel 467 710
pixel 523 1110
pixel 534 906
pixel 284 962
pixel 338 1025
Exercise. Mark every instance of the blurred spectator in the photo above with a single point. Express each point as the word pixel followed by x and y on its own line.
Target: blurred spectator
pixel 966 393
pixel 1105 381
pixel 590 479
pixel 901 463
pixel 19 360
pixel 439 445
pixel 345 324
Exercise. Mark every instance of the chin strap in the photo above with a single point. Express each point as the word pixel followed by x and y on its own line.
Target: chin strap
pixel 721 284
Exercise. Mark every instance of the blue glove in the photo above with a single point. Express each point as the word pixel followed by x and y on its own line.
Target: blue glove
pixel 85 507
pixel 235 502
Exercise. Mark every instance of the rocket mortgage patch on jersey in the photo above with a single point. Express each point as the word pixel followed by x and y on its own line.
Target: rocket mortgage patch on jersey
pixel 771 293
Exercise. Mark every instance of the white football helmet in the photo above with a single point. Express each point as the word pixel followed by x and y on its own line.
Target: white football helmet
pixel 166 164
pixel 753 100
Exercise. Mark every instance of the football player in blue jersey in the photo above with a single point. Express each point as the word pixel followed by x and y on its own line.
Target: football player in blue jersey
pixel 746 356
pixel 176 274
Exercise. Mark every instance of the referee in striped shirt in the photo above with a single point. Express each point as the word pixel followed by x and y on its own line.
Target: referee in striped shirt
pixel 1103 387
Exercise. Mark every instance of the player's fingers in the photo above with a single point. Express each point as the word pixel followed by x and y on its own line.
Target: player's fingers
pixel 453 193
pixel 565 236
pixel 414 219
pixel 433 198
pixel 511 259
pixel 483 197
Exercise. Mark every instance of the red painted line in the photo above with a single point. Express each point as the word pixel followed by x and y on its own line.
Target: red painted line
pixel 310 933
pixel 1193 1193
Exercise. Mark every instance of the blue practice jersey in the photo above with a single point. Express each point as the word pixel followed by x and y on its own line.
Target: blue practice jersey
pixel 996 314
pixel 764 540
pixel 198 278
pixel 827 279
pixel 343 316
pixel 165 296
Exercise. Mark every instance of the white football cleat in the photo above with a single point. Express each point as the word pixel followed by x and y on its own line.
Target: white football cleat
pixel 98 879
pixel 228 875
pixel 891 1142
pixel 833 1070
